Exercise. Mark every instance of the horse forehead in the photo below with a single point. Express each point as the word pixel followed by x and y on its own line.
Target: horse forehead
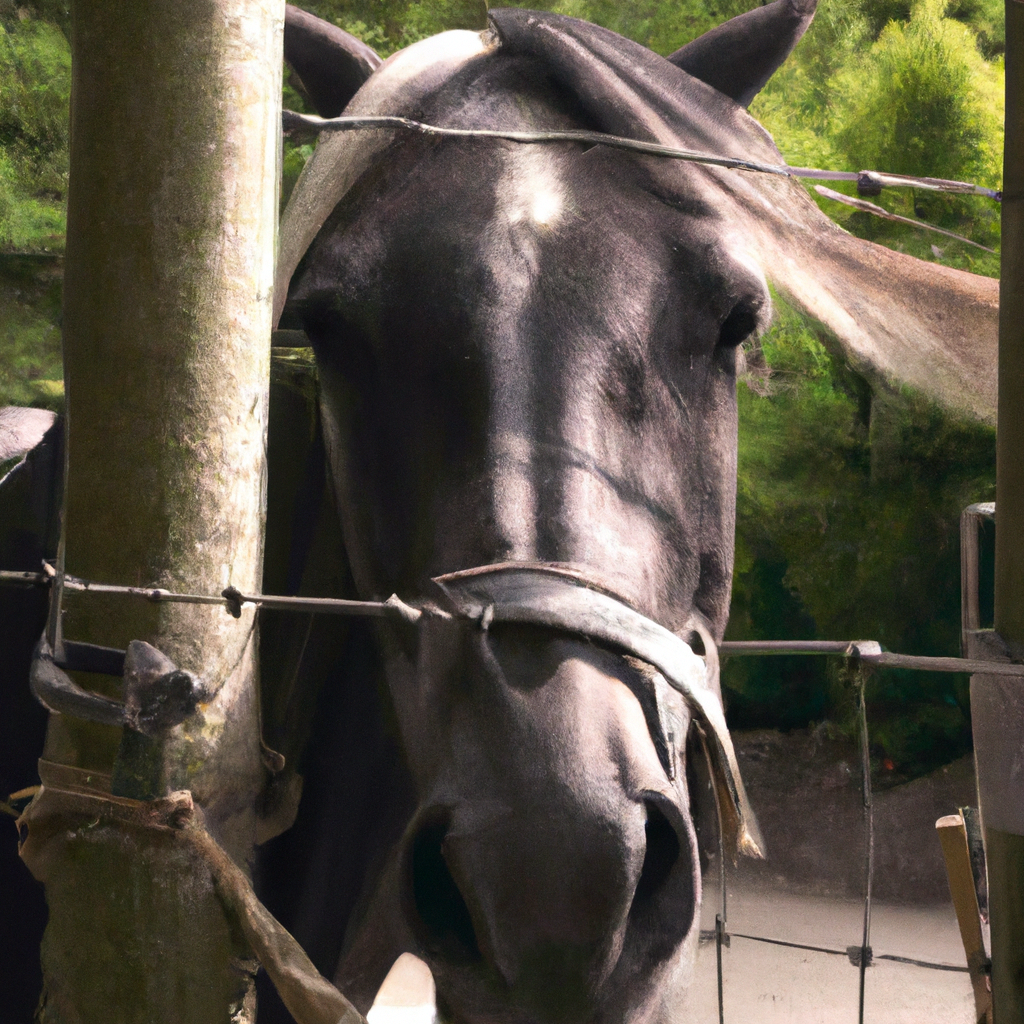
pixel 459 79
pixel 533 190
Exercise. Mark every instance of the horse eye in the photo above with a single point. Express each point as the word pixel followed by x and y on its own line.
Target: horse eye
pixel 738 325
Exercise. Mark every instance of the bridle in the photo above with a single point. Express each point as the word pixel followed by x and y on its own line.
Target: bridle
pixel 568 601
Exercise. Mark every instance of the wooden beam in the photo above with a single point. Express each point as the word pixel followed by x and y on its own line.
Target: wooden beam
pixel 1004 832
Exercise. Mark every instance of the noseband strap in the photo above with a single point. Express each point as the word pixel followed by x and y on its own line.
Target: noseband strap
pixel 564 600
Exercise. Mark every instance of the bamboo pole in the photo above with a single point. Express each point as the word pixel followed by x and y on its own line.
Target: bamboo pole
pixel 1003 812
pixel 175 127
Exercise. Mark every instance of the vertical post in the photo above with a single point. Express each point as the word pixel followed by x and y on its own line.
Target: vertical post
pixel 1004 818
pixel 869 835
pixel 956 852
pixel 175 128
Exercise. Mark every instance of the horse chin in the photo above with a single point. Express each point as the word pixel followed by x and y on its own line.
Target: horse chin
pixel 550 873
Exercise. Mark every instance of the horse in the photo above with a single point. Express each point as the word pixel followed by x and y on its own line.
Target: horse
pixel 527 337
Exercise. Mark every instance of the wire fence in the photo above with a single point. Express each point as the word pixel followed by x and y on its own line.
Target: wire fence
pixel 862 955
pixel 863 657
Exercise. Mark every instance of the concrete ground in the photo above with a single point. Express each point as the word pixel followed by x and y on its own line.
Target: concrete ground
pixel 779 985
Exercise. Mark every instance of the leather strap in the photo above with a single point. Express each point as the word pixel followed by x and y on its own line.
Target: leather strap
pixel 563 598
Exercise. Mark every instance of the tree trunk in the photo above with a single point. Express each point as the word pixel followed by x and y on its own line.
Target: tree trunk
pixel 175 116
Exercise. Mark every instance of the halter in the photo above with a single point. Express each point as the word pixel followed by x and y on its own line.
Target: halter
pixel 566 600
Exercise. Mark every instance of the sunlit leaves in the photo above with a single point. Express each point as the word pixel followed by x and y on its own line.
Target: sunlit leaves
pixel 35 84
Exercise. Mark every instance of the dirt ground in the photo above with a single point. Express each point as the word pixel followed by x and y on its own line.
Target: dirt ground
pixel 806 791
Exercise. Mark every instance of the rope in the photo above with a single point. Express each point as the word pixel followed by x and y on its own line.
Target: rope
pixel 71 792
pixel 868 182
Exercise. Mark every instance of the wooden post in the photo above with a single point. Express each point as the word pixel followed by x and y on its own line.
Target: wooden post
pixel 1003 813
pixel 168 290
pixel 957 854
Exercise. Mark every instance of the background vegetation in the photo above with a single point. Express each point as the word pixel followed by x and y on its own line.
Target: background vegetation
pixel 848 502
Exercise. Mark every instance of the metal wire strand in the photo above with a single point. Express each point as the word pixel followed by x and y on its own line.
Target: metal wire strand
pixel 869 834
pixel 867 651
pixel 230 598
pixel 870 181
pixel 849 952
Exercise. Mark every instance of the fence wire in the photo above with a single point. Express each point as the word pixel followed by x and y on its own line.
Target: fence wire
pixel 862 956
pixel 862 657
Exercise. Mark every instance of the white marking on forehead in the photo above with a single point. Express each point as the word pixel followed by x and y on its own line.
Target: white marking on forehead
pixel 529 200
pixel 546 207
pixel 530 190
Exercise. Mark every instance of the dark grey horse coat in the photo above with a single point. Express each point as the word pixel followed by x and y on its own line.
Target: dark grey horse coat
pixel 528 355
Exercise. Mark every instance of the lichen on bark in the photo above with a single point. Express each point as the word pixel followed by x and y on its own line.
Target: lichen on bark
pixel 167 304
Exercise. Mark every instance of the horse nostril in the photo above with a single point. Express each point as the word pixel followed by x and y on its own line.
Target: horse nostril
pixel 659 858
pixel 441 917
pixel 696 642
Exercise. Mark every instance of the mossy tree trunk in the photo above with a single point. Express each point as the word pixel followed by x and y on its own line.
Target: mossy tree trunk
pixel 171 234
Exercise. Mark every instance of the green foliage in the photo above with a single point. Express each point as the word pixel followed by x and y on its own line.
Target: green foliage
pixel 389 25
pixel 847 514
pixel 913 96
pixel 35 85
pixel 922 100
pixel 56 12
pixel 30 371
pixel 985 17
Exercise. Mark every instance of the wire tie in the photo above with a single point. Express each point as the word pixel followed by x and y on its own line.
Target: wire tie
pixel 857 953
pixel 234 598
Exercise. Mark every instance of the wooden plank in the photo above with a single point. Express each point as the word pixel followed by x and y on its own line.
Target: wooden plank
pixel 956 851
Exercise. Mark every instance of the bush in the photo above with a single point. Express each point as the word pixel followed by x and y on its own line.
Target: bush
pixel 922 100
pixel 847 513
pixel 35 89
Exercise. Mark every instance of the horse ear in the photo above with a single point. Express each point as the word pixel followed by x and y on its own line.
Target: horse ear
pixel 900 322
pixel 738 57
pixel 331 64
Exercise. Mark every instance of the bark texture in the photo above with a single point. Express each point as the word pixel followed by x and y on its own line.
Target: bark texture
pixel 168 296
